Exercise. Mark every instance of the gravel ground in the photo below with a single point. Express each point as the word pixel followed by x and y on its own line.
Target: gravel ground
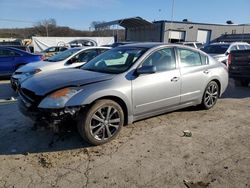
pixel 149 153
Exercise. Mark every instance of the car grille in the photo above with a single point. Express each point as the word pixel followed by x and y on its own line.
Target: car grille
pixel 29 97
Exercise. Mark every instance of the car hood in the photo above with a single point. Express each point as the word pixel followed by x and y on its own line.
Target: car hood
pixel 43 65
pixel 47 82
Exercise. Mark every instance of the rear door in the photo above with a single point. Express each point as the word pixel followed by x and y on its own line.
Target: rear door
pixel 195 72
pixel 160 90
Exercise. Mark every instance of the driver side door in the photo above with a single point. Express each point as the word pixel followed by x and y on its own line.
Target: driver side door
pixel 159 90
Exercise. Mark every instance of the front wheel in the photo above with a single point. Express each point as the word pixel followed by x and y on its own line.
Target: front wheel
pixel 210 95
pixel 101 122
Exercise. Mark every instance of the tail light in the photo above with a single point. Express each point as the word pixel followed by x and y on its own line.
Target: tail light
pixel 229 59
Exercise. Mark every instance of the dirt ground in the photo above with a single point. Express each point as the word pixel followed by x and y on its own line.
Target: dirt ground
pixel 149 153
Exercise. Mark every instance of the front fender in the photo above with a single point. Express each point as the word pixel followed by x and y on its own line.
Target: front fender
pixel 89 94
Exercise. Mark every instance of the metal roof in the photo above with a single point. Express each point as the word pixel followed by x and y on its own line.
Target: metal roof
pixel 127 23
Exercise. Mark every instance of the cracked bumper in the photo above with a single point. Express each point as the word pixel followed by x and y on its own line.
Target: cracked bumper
pixel 49 116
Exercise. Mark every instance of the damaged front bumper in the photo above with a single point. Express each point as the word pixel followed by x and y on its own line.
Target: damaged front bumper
pixel 52 118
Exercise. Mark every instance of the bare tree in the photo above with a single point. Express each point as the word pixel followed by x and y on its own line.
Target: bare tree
pixel 46 24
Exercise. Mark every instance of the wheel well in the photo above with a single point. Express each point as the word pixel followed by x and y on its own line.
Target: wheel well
pixel 121 103
pixel 219 84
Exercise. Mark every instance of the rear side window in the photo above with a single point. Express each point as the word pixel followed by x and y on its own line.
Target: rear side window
pixel 189 58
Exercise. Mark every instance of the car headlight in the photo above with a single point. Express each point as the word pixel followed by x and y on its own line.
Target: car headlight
pixel 58 99
pixel 32 72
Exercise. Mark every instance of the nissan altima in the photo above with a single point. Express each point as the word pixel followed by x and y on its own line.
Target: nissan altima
pixel 123 85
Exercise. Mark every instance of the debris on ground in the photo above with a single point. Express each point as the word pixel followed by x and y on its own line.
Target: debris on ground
pixel 199 184
pixel 45 162
pixel 187 133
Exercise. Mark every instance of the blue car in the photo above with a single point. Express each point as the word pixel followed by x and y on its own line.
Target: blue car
pixel 12 58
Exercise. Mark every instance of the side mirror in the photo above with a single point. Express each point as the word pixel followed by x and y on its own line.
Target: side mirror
pixel 146 70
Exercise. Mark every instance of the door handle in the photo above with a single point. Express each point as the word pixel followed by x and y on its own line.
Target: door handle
pixel 175 79
pixel 206 71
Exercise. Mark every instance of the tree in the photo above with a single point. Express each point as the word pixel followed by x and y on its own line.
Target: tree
pixel 46 24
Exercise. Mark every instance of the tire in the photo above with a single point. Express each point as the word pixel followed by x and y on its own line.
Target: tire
pixel 97 127
pixel 210 96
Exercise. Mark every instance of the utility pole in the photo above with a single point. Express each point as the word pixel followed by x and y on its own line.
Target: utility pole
pixel 172 18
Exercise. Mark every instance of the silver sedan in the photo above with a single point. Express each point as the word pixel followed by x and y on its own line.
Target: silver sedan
pixel 123 85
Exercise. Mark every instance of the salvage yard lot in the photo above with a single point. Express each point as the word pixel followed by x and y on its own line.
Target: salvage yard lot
pixel 148 153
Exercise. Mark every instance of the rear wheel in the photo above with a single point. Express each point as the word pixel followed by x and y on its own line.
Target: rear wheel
pixel 210 95
pixel 101 122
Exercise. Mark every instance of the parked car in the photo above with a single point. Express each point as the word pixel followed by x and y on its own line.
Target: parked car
pixel 197 45
pixel 71 58
pixel 52 51
pixel 239 66
pixel 123 85
pixel 220 51
pixel 20 47
pixel 13 58
pixel 15 42
pixel 82 42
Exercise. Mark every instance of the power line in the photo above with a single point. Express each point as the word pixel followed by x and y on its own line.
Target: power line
pixel 13 20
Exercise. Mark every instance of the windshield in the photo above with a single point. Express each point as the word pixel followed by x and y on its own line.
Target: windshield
pixel 216 49
pixel 63 55
pixel 115 61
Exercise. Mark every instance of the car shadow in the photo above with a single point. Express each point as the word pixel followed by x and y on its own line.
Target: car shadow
pixel 18 136
pixel 27 140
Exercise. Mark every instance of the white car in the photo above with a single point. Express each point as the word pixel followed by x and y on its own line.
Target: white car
pixel 197 45
pixel 71 58
pixel 220 51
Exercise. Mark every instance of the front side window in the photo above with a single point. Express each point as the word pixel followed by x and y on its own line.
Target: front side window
pixel 115 61
pixel 189 58
pixel 86 56
pixel 163 60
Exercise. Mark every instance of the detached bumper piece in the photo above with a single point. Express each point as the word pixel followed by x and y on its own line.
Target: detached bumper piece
pixel 52 118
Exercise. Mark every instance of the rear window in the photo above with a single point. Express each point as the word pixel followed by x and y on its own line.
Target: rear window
pixel 216 49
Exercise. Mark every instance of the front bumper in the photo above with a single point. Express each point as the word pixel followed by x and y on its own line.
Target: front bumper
pixel 50 117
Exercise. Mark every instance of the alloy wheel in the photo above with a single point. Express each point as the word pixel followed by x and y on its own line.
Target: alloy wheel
pixel 105 123
pixel 211 94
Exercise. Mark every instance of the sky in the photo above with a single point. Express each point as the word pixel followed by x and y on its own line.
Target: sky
pixel 79 14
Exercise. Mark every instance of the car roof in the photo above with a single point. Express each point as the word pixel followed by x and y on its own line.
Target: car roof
pixel 143 45
pixel 227 43
pixel 13 48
